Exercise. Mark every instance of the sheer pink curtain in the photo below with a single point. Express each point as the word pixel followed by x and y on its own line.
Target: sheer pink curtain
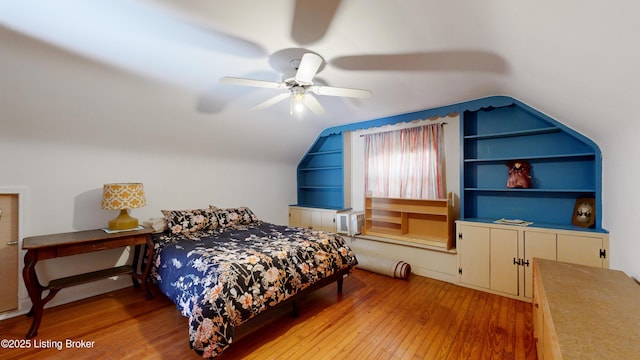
pixel 405 163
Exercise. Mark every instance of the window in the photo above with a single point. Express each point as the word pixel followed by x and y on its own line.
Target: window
pixel 405 163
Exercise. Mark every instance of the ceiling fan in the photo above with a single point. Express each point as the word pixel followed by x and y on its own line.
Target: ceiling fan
pixel 298 82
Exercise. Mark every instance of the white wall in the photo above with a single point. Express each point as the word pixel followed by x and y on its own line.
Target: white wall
pixel 618 140
pixel 64 188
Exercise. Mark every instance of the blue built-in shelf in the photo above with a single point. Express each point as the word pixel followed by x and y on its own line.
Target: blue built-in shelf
pixel 565 164
pixel 321 174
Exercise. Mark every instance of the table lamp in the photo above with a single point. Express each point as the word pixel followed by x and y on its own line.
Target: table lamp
pixel 123 196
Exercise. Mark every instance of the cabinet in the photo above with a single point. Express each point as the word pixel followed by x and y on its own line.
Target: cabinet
pixel 475 255
pixel 564 165
pixel 422 221
pixel 313 218
pixel 543 245
pixel 9 251
pixel 498 258
pixel 581 249
pixel 487 257
pixel 584 312
pixel 503 248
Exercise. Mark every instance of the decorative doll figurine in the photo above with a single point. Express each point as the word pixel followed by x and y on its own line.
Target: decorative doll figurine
pixel 519 174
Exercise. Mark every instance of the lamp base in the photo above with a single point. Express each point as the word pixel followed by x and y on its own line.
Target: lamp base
pixel 123 222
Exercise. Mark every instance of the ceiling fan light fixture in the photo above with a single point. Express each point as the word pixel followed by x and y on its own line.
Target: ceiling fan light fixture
pixel 297 100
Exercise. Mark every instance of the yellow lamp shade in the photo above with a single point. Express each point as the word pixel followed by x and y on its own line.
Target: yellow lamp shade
pixel 123 196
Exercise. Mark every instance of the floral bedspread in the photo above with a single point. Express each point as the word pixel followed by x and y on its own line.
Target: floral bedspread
pixel 222 278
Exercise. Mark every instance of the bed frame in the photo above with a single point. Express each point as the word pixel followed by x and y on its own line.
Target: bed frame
pixel 338 277
pixel 247 328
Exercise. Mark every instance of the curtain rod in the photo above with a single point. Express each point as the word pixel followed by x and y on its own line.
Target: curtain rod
pixel 380 132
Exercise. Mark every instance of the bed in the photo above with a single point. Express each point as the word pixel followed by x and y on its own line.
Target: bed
pixel 223 267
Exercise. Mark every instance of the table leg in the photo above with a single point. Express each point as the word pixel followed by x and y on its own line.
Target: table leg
pixel 35 291
pixel 140 273
pixel 134 264
pixel 146 268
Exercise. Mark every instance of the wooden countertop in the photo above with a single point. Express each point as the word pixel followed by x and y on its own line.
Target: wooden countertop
pixel 595 312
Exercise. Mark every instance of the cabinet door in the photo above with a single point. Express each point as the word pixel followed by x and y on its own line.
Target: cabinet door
pixel 305 218
pixel 503 255
pixel 316 219
pixel 474 255
pixel 294 217
pixel 582 250
pixel 9 251
pixel 328 221
pixel 536 245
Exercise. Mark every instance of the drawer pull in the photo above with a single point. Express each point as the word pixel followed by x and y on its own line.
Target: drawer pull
pixel 12 243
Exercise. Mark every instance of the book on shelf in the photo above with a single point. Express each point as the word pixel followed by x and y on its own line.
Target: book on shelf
pixel 513 222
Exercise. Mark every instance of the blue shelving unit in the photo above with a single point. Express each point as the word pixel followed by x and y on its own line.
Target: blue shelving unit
pixel 321 174
pixel 494 130
pixel 565 166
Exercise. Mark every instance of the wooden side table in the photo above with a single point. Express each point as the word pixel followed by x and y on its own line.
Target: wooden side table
pixel 80 242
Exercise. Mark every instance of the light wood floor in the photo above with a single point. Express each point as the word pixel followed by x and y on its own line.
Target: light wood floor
pixel 376 317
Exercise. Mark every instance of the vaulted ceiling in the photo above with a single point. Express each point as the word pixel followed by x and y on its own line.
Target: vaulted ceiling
pixel 144 75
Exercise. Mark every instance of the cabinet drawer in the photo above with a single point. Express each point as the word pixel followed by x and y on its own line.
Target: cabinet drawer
pixel 82 248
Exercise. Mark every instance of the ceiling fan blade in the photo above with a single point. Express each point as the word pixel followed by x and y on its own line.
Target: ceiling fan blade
pixel 309 65
pixel 193 15
pixel 312 19
pixel 337 91
pixel 145 31
pixel 454 60
pixel 272 101
pixel 313 104
pixel 252 82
